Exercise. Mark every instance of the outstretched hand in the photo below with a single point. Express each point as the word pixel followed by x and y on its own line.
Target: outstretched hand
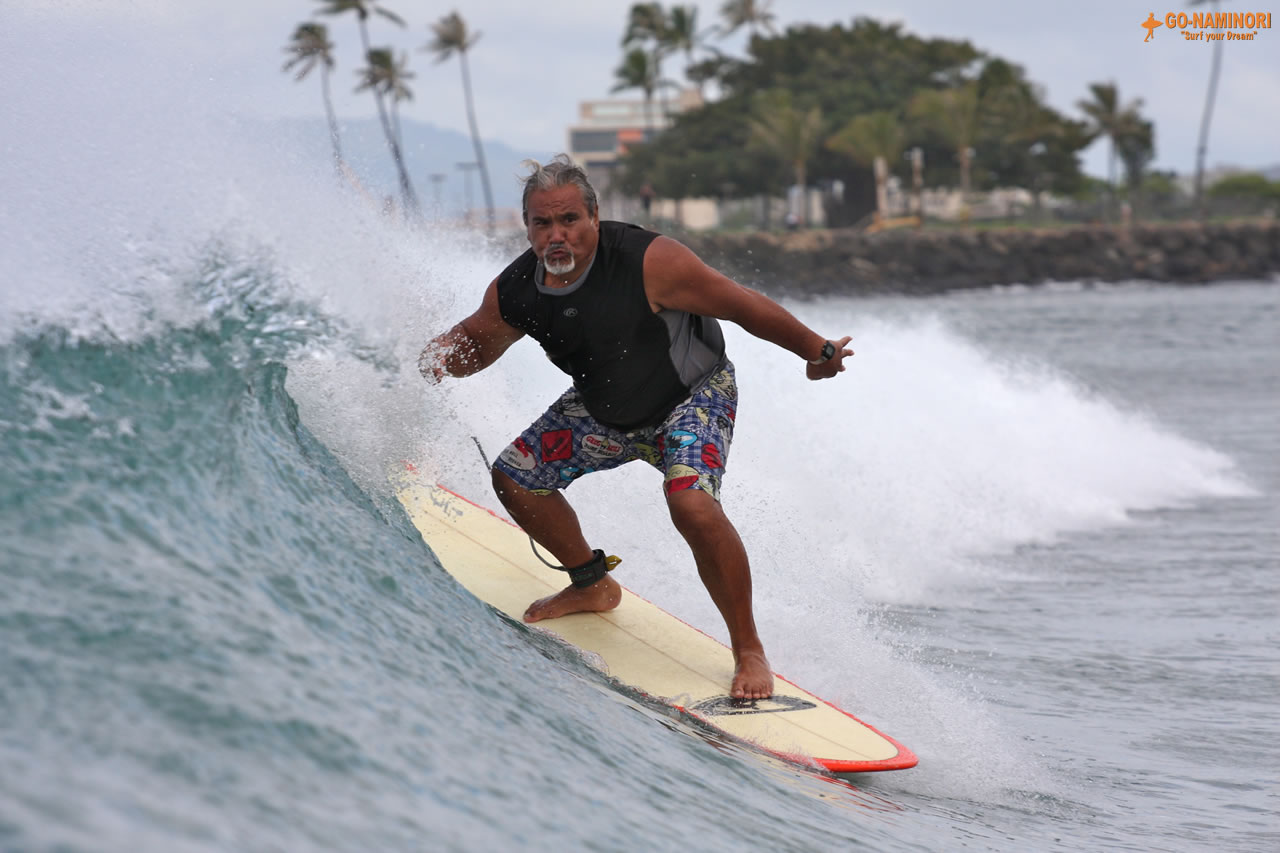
pixel 831 366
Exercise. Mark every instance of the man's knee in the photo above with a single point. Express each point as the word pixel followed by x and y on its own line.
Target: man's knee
pixel 503 485
pixel 692 509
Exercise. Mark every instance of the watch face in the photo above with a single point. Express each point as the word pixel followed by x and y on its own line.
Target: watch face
pixel 828 350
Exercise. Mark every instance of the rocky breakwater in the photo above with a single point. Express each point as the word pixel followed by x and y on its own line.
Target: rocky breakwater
pixel 937 260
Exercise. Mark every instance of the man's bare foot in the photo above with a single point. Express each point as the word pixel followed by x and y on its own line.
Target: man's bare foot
pixel 604 594
pixel 752 677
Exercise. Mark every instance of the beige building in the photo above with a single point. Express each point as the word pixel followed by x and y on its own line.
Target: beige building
pixel 606 128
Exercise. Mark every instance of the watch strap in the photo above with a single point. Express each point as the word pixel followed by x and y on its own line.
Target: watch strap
pixel 828 352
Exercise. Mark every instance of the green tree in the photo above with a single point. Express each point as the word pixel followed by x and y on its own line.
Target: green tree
pixel 753 14
pixel 637 71
pixel 1202 147
pixel 790 130
pixel 954 115
pixel 1136 149
pixel 868 138
pixel 647 29
pixel 311 49
pixel 681 34
pixel 1109 118
pixel 1250 185
pixel 389 77
pixel 812 62
pixel 452 36
pixel 362 10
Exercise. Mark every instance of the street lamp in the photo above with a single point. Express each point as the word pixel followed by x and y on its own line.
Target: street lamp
pixel 467 168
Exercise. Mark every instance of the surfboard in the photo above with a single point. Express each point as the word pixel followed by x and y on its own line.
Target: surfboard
pixel 641 646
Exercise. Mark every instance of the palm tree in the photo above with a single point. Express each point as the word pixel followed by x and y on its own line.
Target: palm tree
pixel 752 13
pixel 1108 118
pixel 953 115
pixel 682 32
pixel 311 48
pixel 389 77
pixel 363 9
pixel 452 36
pixel 1202 146
pixel 1136 147
pixel 637 71
pixel 789 130
pixel 1030 124
pixel 872 139
pixel 647 26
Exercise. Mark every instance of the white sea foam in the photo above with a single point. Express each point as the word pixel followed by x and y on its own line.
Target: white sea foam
pixel 886 485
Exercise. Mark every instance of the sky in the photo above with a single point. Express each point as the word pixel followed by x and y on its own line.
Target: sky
pixel 534 62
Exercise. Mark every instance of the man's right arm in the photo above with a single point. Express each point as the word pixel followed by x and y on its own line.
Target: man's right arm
pixel 472 345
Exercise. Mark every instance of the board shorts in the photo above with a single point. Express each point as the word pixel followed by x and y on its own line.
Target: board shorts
pixel 690 446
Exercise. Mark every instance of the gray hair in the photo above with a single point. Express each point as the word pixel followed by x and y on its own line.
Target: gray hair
pixel 560 171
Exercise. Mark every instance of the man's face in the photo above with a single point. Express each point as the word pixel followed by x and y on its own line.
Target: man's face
pixel 562 233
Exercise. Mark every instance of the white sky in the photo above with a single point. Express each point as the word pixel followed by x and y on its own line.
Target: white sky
pixel 537 60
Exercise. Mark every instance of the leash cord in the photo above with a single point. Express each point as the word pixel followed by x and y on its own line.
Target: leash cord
pixel 532 544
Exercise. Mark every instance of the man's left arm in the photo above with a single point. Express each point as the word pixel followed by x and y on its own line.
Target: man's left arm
pixel 676 278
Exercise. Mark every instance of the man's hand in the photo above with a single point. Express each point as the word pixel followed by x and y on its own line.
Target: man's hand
pixel 831 366
pixel 431 362
pixel 470 346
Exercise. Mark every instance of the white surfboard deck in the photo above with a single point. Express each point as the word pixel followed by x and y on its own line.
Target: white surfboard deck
pixel 643 646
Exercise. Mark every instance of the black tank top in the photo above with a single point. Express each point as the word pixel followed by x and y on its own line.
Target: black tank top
pixel 631 366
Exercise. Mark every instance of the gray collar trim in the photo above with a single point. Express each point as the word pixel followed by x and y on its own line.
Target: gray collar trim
pixel 540 274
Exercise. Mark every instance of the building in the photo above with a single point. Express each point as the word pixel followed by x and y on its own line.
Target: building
pixel 606 128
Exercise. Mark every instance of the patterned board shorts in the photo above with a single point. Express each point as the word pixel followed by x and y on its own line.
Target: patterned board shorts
pixel 690 447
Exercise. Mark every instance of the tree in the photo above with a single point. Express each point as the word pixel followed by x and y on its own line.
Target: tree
pixel 1136 148
pixel 647 29
pixel 754 14
pixel 452 36
pixel 868 138
pixel 363 9
pixel 682 34
pixel 390 78
pixel 953 115
pixel 1202 146
pixel 812 62
pixel 310 49
pixel 1108 118
pixel 789 130
pixel 637 71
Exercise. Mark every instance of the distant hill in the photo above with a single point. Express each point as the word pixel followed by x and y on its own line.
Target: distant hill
pixel 427 150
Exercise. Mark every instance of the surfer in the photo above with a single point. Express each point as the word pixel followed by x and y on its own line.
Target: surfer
pixel 632 317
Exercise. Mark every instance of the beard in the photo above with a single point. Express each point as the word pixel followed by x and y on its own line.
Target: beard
pixel 563 267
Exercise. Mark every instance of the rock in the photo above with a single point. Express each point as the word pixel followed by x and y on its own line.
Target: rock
pixel 933 261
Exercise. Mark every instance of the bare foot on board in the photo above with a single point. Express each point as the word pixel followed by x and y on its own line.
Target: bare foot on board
pixel 752 678
pixel 604 594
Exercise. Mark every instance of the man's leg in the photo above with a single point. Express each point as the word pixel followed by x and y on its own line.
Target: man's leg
pixel 554 525
pixel 726 573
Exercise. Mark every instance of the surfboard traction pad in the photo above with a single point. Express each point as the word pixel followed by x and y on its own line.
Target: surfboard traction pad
pixel 642 647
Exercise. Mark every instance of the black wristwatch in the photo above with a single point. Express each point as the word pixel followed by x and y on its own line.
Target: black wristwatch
pixel 828 350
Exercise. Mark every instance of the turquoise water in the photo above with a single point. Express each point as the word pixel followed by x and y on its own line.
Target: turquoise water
pixel 1032 534
pixel 213 638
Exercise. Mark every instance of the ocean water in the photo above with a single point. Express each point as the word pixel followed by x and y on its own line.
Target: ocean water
pixel 1032 533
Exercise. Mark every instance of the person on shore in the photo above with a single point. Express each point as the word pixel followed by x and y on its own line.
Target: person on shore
pixel 632 317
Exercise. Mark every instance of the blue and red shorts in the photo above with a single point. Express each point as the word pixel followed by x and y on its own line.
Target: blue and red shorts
pixel 690 447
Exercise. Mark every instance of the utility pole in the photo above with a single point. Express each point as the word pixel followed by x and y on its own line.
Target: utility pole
pixel 916 156
pixel 467 168
pixel 436 178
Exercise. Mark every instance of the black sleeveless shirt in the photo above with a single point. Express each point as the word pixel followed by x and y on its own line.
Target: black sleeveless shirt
pixel 630 365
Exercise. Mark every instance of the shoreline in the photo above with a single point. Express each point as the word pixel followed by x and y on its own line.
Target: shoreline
pixel 927 262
